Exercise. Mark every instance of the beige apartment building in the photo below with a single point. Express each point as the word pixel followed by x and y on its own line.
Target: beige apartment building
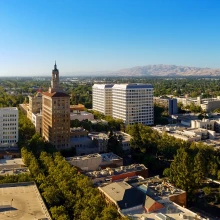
pixel 35 105
pixel 56 114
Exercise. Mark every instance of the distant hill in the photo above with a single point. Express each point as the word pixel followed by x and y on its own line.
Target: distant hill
pixel 167 70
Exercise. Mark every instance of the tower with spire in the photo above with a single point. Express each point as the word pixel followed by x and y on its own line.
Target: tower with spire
pixel 56 114
pixel 55 81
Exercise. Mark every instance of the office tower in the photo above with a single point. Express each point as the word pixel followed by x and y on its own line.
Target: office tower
pixel 102 98
pixel 56 114
pixel 133 103
pixel 129 102
pixel 8 126
pixel 170 104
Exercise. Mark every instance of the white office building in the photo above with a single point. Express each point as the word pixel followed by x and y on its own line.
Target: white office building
pixel 133 103
pixel 129 102
pixel 8 126
pixel 102 98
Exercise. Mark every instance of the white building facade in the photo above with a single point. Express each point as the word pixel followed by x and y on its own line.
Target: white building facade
pixel 102 98
pixel 133 103
pixel 8 126
pixel 129 102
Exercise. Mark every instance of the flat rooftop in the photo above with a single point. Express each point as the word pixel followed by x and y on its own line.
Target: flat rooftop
pixel 110 157
pixel 12 166
pixel 98 135
pixel 11 162
pixel 22 201
pixel 77 129
pixel 116 171
pixel 105 157
pixel 158 189
pixel 84 157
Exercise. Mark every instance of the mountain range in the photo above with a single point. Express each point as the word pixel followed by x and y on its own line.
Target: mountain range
pixel 167 70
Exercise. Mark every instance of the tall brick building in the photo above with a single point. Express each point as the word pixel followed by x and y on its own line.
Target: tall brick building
pixel 56 114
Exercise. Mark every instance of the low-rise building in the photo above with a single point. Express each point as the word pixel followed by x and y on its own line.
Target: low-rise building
pixel 22 201
pixel 125 140
pixel 11 166
pixel 115 174
pixel 207 104
pixel 188 134
pixel 82 115
pixel 101 121
pixel 204 123
pixel 151 198
pixel 93 162
pixel 82 143
pixel 100 140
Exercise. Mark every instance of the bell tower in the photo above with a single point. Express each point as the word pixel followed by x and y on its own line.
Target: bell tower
pixel 55 81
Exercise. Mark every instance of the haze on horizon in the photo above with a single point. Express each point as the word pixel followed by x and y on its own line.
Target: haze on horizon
pixel 89 36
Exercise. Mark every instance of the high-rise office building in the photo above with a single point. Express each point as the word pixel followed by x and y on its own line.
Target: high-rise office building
pixel 129 102
pixel 133 103
pixel 8 126
pixel 56 114
pixel 102 98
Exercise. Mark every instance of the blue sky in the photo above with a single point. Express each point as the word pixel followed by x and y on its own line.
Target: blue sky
pixel 100 35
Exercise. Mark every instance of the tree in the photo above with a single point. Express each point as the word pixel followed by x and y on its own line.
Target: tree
pixel 59 213
pixel 181 172
pixel 207 190
pixel 115 144
pixel 166 172
pixel 199 168
pixel 109 213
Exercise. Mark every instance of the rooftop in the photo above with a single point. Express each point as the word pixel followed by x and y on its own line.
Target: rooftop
pixel 158 188
pixel 105 157
pixel 12 166
pixel 170 211
pixel 9 109
pixel 123 194
pixel 80 113
pixel 102 86
pixel 77 129
pixel 55 94
pixel 84 157
pixel 133 86
pixel 110 156
pixel 22 201
pixel 116 171
pixel 10 162
pixel 98 135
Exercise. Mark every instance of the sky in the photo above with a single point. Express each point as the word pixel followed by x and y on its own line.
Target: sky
pixel 106 35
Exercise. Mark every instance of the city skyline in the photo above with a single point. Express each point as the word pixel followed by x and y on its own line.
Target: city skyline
pixel 91 36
